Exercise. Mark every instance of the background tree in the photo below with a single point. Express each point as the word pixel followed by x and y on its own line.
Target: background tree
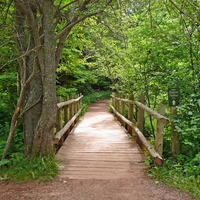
pixel 41 29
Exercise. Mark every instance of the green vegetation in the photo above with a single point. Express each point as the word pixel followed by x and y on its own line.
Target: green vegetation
pixel 94 97
pixel 21 169
pixel 132 47
pixel 175 174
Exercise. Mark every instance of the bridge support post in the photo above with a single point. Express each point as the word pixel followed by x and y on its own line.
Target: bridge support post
pixel 123 112
pixel 140 122
pixel 174 133
pixel 130 114
pixel 159 131
pixel 59 116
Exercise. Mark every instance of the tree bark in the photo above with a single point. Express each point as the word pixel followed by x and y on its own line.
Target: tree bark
pixel 43 138
pixel 39 53
pixel 39 106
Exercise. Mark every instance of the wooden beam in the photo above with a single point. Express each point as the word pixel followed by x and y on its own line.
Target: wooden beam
pixel 60 105
pixel 159 131
pixel 60 133
pixel 156 115
pixel 156 157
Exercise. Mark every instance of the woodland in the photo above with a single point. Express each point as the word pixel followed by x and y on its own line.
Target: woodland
pixel 66 47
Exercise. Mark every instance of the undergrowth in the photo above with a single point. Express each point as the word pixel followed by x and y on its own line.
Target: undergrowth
pixel 21 169
pixel 175 175
pixel 94 97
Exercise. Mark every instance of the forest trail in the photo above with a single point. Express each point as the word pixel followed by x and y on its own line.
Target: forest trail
pixel 99 148
pixel 109 168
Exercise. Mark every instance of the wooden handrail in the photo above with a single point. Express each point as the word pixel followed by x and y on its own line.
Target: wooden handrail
pixel 60 133
pixel 141 140
pixel 61 104
pixel 156 115
pixel 72 110
pixel 156 157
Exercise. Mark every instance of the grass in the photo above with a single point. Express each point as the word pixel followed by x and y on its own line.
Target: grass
pixel 20 169
pixel 173 175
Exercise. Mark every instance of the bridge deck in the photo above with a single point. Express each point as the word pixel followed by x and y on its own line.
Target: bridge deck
pixel 99 148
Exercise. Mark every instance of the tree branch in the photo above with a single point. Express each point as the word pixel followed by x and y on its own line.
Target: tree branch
pixel 183 12
pixel 26 9
pixel 70 26
pixel 16 114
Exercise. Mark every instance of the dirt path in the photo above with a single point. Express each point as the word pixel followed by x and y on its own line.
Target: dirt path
pixel 86 178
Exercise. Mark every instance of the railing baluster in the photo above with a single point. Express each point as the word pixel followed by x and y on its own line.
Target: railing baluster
pixel 59 116
pixel 159 131
pixel 141 140
pixel 130 114
pixel 72 110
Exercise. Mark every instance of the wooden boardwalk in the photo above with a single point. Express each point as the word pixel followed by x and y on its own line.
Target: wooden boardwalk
pixel 99 148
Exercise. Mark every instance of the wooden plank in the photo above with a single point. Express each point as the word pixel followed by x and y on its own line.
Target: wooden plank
pixel 96 150
pixel 147 109
pixel 60 105
pixel 60 133
pixel 159 132
pixel 157 158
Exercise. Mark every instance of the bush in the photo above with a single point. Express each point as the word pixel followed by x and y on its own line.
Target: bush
pixel 94 97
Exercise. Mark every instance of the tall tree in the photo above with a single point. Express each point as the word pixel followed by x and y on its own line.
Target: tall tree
pixel 41 29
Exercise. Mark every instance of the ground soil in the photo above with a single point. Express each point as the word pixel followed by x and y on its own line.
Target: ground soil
pixel 69 186
pixel 117 189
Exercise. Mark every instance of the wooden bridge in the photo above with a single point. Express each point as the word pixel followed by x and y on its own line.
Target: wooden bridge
pixel 99 147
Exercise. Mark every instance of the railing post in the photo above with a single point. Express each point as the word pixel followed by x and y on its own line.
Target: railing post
pixel 76 107
pixel 113 100
pixel 130 114
pixel 174 133
pixel 140 122
pixel 140 117
pixel 159 131
pixel 123 111
pixel 59 121
pixel 66 114
pixel 66 111
pixel 117 105
pixel 59 116
pixel 71 109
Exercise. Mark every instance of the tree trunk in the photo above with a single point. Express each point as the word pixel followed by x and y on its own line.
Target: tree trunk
pixel 43 138
pixel 39 106
pixel 39 54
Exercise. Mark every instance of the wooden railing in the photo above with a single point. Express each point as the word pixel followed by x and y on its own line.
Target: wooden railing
pixel 119 111
pixel 67 116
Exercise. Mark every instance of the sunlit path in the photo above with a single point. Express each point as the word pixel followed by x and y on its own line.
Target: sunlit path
pixel 99 148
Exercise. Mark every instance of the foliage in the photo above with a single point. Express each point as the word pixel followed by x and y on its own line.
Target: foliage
pixel 93 97
pixel 187 124
pixel 179 176
pixel 22 169
pixel 133 47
